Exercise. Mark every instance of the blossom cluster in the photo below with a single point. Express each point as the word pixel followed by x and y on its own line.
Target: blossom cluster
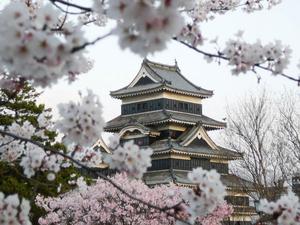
pixel 39 49
pixel 244 56
pixel 101 199
pixel 12 211
pixel 221 211
pixel 32 157
pixel 254 5
pixel 81 122
pixel 145 26
pixel 205 9
pixel 87 156
pixel 286 209
pixel 130 158
pixel 207 195
pixel 12 149
pixel 191 34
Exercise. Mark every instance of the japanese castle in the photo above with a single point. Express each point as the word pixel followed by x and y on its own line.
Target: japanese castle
pixel 161 109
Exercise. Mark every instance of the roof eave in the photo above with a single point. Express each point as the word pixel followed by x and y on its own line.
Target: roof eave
pixel 158 89
pixel 163 152
pixel 214 127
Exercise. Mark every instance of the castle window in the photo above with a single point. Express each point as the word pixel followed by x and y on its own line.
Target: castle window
pixel 175 105
pixel 180 106
pixel 191 108
pixel 186 107
pixel 161 104
pixel 133 109
pixel 145 106
pixel 150 105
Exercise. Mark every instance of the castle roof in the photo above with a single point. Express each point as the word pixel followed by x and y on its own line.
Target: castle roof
pixel 155 77
pixel 160 117
pixel 180 177
pixel 164 148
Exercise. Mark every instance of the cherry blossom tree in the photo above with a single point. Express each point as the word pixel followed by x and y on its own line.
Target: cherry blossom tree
pixel 42 42
pixel 18 105
pixel 104 204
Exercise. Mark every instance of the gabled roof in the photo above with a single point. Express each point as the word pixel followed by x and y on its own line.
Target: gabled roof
pixel 135 126
pixel 100 144
pixel 160 117
pixel 197 132
pixel 163 78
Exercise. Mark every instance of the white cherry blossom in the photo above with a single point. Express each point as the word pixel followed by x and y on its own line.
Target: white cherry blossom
pixel 287 207
pixel 35 52
pixel 244 56
pixel 13 211
pixel 130 158
pixel 207 195
pixel 81 122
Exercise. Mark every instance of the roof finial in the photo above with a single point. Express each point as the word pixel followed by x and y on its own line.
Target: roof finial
pixel 176 65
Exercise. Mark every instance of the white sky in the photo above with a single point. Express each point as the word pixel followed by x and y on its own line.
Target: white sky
pixel 115 68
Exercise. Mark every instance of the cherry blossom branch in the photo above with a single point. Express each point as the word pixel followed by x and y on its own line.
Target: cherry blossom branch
pixel 96 172
pixel 63 21
pixel 4 144
pixel 219 55
pixel 78 48
pixel 221 9
pixel 84 9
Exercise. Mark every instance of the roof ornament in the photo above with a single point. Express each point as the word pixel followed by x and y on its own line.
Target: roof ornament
pixel 199 123
pixel 164 81
pixel 176 65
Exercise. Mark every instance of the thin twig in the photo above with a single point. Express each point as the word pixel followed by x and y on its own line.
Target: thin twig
pixel 78 48
pixel 84 9
pixel 64 19
pixel 65 11
pixel 7 143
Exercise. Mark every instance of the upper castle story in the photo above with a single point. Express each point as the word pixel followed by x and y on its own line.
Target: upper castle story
pixel 158 86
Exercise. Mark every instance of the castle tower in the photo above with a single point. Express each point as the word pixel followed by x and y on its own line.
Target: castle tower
pixel 162 110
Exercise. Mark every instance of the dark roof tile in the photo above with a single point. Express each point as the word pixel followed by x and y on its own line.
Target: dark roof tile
pixel 162 116
pixel 169 78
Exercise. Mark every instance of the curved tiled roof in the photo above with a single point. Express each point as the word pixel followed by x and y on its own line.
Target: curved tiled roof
pixel 163 147
pixel 180 177
pixel 162 116
pixel 169 78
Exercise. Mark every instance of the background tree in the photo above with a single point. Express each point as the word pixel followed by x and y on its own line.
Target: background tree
pixel 255 127
pixel 289 124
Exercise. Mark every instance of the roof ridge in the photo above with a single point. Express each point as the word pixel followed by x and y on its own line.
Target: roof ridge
pixel 161 65
pixel 187 80
pixel 148 67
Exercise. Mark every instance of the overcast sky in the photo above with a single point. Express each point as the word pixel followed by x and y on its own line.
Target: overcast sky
pixel 115 68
